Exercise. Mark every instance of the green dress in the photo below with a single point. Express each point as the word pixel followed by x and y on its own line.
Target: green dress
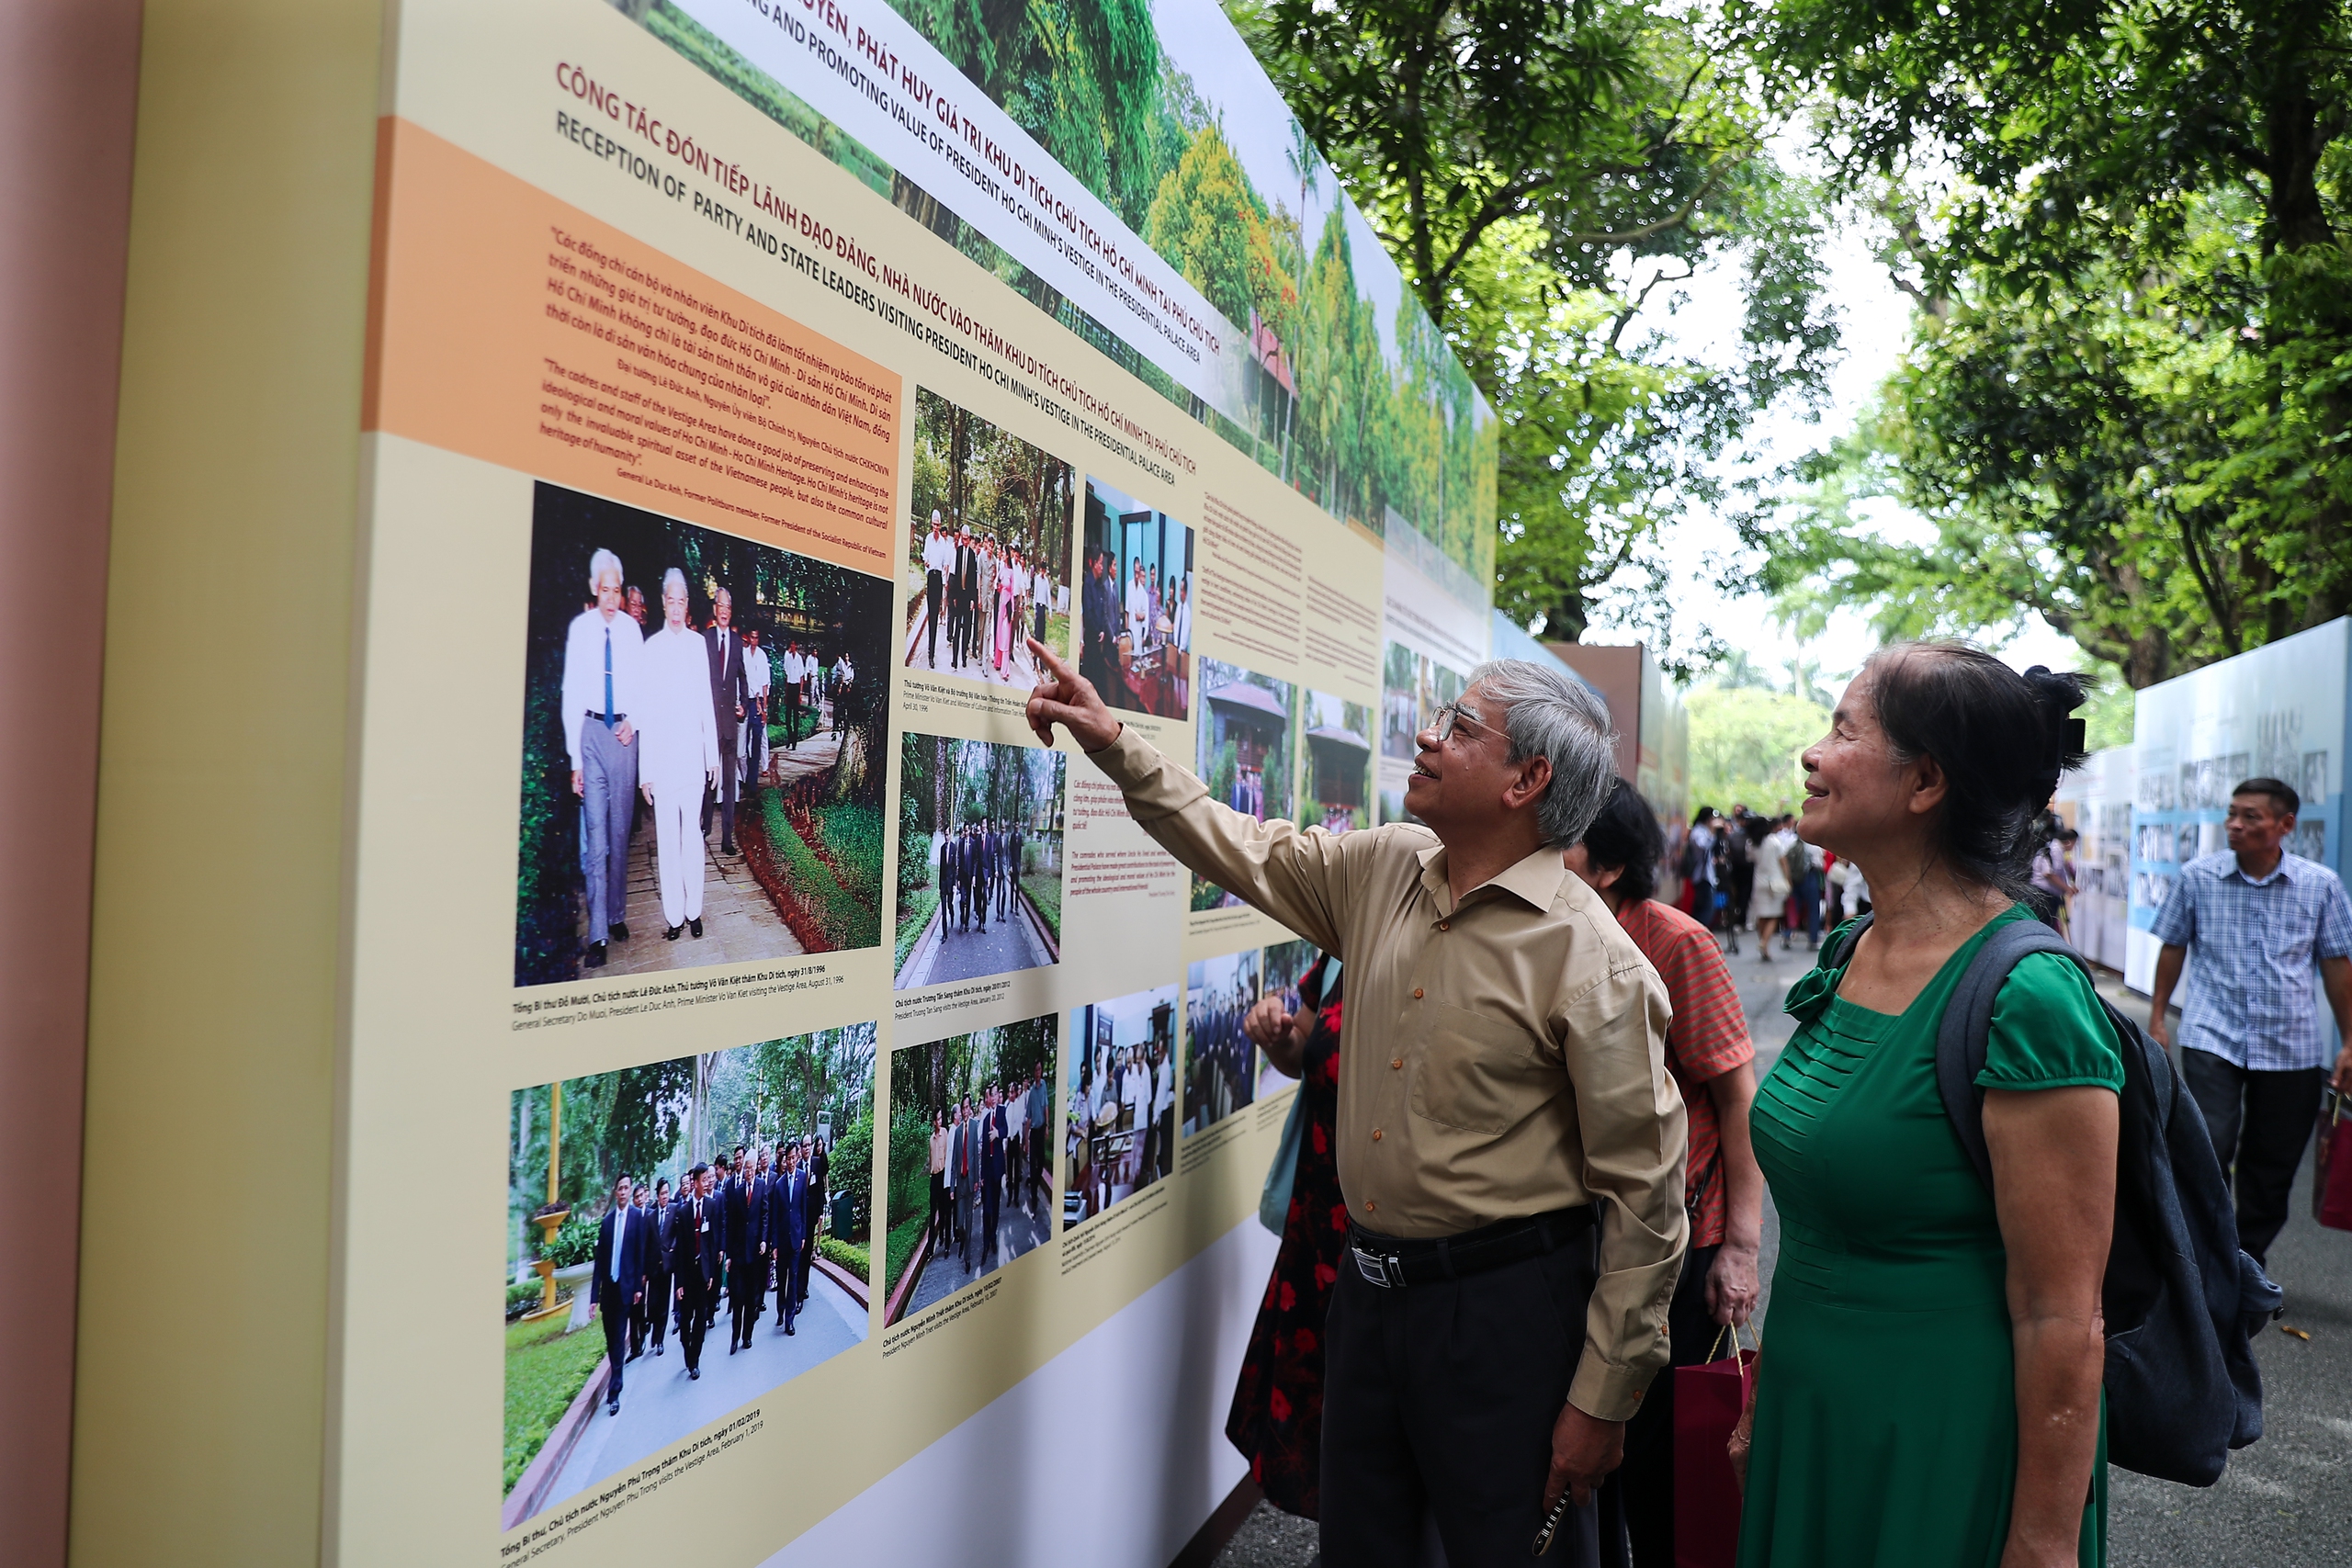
pixel 1885 1412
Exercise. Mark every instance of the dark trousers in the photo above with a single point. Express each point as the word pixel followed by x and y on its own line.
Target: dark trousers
pixel 1438 1400
pixel 723 794
pixel 613 1306
pixel 2259 1122
pixel 657 1317
pixel 791 714
pixel 693 1315
pixel 743 1304
pixel 931 615
pixel 1646 1481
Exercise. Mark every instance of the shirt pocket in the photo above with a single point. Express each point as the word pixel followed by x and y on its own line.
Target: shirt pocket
pixel 1478 1073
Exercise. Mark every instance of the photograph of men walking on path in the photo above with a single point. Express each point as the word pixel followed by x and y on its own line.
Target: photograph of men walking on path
pixel 1121 1134
pixel 980 859
pixel 989 556
pixel 648 1208
pixel 703 724
pixel 1136 604
pixel 971 1180
pixel 1218 994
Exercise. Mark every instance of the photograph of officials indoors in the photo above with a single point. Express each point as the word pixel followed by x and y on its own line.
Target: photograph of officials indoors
pixel 980 859
pixel 1413 687
pixel 1242 750
pixel 1121 1132
pixel 1219 1062
pixel 703 724
pixel 971 1179
pixel 989 555
pixel 1136 604
pixel 1284 966
pixel 657 1214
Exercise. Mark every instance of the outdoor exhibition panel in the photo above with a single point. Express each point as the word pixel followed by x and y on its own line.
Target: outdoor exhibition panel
pixel 749 385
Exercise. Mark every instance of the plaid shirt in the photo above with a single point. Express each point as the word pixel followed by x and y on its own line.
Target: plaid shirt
pixel 1707 1038
pixel 2253 944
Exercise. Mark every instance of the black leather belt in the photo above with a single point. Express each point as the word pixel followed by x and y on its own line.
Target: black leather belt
pixel 1393 1262
pixel 608 723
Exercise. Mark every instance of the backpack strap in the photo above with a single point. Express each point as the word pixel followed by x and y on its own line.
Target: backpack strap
pixel 1840 950
pixel 1964 1035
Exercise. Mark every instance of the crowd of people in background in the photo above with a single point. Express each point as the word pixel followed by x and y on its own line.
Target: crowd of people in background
pixel 736 1229
pixel 986 1153
pixel 990 593
pixel 979 874
pixel 674 723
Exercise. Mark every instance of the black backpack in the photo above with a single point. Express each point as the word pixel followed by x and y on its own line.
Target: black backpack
pixel 2183 1301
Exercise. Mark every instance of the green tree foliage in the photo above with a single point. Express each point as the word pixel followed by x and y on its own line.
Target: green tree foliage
pixel 1744 745
pixel 970 472
pixel 2129 402
pixel 1540 172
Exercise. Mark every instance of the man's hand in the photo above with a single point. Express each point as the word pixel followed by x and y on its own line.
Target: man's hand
pixel 579 781
pixel 2344 1070
pixel 1585 1448
pixel 1731 1284
pixel 2160 1031
pixel 1069 699
pixel 625 732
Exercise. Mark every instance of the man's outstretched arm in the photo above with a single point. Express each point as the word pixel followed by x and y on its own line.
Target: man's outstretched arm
pixel 1298 878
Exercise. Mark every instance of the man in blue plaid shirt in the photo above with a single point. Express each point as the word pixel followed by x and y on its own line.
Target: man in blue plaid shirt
pixel 2251 1045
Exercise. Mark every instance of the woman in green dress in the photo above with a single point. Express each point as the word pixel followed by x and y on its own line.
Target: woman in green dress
pixel 1932 1395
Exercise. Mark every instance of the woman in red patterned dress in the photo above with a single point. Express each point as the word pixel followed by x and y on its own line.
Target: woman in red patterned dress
pixel 1277 1415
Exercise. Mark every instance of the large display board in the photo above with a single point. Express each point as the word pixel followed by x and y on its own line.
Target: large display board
pixel 749 380
pixel 2275 712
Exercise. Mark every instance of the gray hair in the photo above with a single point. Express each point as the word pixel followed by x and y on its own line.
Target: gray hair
pixel 672 575
pixel 600 563
pixel 1551 714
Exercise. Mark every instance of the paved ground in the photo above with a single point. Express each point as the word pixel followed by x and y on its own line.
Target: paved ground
pixel 739 920
pixel 659 1406
pixel 1017 1231
pixel 2281 1502
pixel 1016 670
pixel 946 952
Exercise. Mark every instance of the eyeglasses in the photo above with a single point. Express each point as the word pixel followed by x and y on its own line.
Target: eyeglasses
pixel 1453 716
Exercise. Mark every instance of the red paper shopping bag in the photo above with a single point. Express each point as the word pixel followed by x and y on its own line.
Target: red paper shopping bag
pixel 1707 1403
pixel 2331 1182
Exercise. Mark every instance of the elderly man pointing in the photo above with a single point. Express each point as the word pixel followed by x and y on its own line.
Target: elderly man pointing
pixel 1502 1072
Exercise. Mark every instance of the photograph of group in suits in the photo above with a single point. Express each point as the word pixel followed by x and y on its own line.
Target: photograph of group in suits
pixel 971 1176
pixel 1220 1075
pixel 1244 750
pixel 1135 595
pixel 987 558
pixel 703 724
pixel 980 859
pixel 1284 966
pixel 1120 1134
pixel 656 1213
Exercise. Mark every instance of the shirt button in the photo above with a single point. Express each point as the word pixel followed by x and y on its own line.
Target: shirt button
pixel 1372 1208
pixel 1417 993
pixel 1397 1062
pixel 1375 1134
pixel 1446 925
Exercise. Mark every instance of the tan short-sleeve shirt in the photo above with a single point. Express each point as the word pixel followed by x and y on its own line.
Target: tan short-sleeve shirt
pixel 1500 1058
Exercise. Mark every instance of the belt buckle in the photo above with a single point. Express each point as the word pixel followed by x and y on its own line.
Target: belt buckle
pixel 1376 1266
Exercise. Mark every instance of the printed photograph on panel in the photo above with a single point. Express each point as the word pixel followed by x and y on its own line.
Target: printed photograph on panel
pixel 980 859
pixel 989 555
pixel 1335 792
pixel 1218 1058
pixel 1121 1134
pixel 654 1212
pixel 1285 963
pixel 1242 750
pixel 971 1180
pixel 1136 605
pixel 703 724
pixel 1413 687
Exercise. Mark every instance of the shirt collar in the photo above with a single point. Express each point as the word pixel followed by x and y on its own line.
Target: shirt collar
pixel 1535 879
pixel 2278 872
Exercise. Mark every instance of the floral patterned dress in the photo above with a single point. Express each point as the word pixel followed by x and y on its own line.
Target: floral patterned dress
pixel 1277 1415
